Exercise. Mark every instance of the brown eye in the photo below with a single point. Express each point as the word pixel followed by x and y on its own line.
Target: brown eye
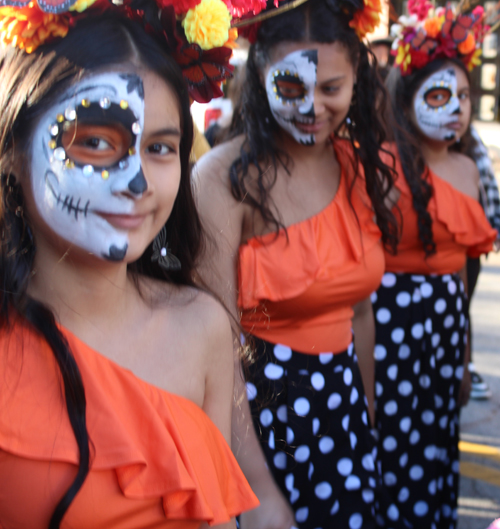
pixel 289 87
pixel 98 145
pixel 437 97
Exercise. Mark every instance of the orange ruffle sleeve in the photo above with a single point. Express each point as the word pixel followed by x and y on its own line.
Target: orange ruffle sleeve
pixel 460 228
pixel 159 447
pixel 298 287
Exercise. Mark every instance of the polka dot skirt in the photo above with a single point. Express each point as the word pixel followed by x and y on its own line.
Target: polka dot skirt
pixel 310 413
pixel 419 354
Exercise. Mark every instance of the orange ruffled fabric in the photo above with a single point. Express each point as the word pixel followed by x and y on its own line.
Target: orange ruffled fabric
pixel 460 228
pixel 300 290
pixel 169 464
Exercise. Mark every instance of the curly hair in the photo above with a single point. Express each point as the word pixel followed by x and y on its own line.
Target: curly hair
pixel 321 22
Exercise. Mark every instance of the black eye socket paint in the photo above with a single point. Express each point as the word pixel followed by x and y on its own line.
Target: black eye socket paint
pixel 102 113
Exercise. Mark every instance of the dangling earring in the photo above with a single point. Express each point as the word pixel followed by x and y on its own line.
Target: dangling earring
pixel 161 253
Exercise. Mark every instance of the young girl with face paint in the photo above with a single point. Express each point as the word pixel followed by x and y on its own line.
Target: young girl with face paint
pixel 420 307
pixel 117 380
pixel 293 210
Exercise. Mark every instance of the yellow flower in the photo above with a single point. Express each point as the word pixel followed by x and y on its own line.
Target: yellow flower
pixel 81 5
pixel 474 59
pixel 28 27
pixel 403 58
pixel 208 24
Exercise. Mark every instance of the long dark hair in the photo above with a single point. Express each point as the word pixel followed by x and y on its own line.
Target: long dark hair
pixel 401 90
pixel 30 83
pixel 314 21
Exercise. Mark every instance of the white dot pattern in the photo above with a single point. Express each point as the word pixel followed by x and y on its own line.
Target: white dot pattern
pixel 419 356
pixel 315 434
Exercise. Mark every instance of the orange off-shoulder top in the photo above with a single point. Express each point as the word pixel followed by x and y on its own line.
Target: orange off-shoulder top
pixel 298 287
pixel 157 459
pixel 459 227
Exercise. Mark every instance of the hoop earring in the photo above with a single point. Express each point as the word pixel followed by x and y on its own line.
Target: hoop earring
pixel 162 254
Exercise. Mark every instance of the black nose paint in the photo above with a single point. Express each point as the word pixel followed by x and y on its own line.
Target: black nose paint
pixel 138 184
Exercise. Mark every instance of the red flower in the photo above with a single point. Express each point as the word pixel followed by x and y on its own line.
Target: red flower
pixel 239 8
pixel 249 32
pixel 418 58
pixel 419 8
pixel 181 6
pixel 204 70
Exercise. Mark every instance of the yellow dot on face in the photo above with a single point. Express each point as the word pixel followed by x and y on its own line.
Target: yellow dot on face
pixel 59 118
pixel 275 89
pixel 105 174
pixel 131 151
pixel 85 103
pixel 52 144
pixel 123 104
pixel 70 164
pixel 287 72
pixel 277 98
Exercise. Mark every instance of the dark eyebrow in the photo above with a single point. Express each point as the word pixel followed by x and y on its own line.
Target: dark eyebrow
pixel 333 79
pixel 167 132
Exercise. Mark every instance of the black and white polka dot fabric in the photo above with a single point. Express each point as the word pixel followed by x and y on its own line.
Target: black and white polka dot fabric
pixel 311 416
pixel 419 353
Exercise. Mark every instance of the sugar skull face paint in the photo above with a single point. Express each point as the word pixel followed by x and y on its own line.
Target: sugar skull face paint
pixel 86 163
pixel 290 85
pixel 437 106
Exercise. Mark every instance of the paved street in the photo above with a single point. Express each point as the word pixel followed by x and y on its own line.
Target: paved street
pixel 479 501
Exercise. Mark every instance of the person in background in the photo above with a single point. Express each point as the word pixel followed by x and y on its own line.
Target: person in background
pixel 298 214
pixel 421 371
pixel 117 378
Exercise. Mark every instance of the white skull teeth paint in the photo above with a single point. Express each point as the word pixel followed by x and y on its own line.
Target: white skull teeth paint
pixel 74 198
pixel 437 106
pixel 290 85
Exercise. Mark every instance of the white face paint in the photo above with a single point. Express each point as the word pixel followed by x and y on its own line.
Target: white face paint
pixel 290 85
pixel 436 105
pixel 69 191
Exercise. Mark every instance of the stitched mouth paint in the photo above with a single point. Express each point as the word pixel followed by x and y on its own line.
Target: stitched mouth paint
pixel 290 85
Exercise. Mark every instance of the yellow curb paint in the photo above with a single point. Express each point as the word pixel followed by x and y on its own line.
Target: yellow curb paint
pixel 475 471
pixel 478 449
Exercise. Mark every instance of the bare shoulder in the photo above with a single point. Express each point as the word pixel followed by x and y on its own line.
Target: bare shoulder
pixel 214 166
pixel 197 314
pixel 466 174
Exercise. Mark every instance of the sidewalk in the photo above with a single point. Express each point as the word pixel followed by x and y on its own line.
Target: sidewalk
pixel 479 501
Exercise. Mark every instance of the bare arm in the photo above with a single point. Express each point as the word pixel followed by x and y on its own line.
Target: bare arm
pixel 223 218
pixel 363 325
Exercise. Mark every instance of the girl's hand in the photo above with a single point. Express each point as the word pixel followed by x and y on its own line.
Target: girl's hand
pixel 274 512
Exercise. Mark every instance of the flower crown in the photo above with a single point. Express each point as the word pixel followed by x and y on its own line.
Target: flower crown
pixel 365 15
pixel 428 34
pixel 197 33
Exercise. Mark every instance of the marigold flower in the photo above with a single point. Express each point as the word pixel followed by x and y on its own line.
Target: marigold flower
pixel 81 5
pixel 367 19
pixel 29 27
pixel 231 41
pixel 468 45
pixel 433 26
pixel 208 24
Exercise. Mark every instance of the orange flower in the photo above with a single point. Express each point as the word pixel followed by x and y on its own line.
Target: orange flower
pixel 432 27
pixel 367 19
pixel 231 41
pixel 28 27
pixel 468 45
